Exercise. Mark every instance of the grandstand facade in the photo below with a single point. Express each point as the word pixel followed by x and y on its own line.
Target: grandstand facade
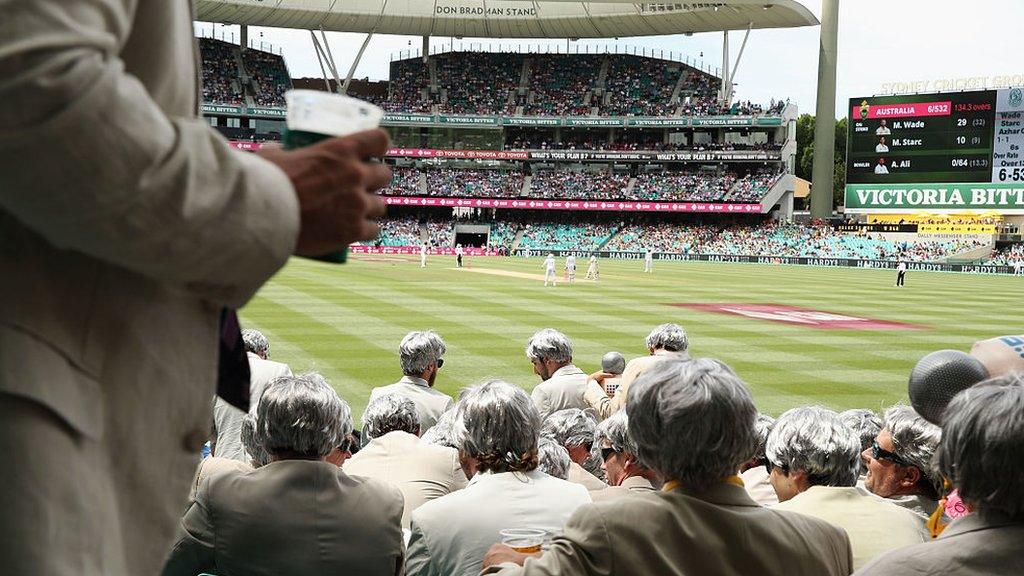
pixel 615 153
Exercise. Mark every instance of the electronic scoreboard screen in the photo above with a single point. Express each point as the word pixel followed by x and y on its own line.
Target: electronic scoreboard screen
pixel 936 152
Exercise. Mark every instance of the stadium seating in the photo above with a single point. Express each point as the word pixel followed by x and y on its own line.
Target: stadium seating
pixel 221 82
pixel 502 234
pixel 564 184
pixel 269 75
pixel 688 186
pixel 1007 256
pixel 559 84
pixel 639 86
pixel 487 90
pixel 404 182
pixel 441 233
pixel 399 232
pixel 546 236
pixel 448 182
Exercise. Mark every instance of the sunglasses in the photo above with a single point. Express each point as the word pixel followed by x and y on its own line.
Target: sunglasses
pixel 879 453
pixel 440 362
pixel 606 453
pixel 347 444
pixel 768 466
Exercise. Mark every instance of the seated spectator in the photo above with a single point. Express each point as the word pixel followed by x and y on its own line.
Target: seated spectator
pixel 899 466
pixel 298 514
pixel 228 419
pixel 420 355
pixel 693 423
pixel 212 465
pixel 982 454
pixel 627 475
pixel 867 425
pixel 574 430
pixel 442 433
pixel 395 455
pixel 562 383
pixel 753 472
pixel 552 458
pixel 814 460
pixel 257 453
pixel 614 365
pixel 667 341
pixel 497 428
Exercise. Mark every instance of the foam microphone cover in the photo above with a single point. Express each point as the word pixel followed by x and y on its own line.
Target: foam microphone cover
pixel 938 377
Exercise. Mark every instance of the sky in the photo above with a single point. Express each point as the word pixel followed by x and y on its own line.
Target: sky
pixel 881 42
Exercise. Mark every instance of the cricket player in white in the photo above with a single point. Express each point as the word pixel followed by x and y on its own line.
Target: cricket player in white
pixel 549 270
pixel 901 273
pixel 570 268
pixel 592 273
pixel 526 253
pixel 649 261
pixel 458 255
pixel 423 255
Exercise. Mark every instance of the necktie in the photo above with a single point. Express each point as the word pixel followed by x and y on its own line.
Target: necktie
pixel 232 365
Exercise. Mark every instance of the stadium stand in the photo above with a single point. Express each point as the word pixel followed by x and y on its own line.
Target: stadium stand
pixel 639 86
pixel 563 184
pixel 270 78
pixel 1007 256
pixel 221 81
pixel 399 232
pixel 552 236
pixel 478 82
pixel 404 182
pixel 474 183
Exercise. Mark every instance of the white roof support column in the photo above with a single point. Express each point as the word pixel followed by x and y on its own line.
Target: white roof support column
pixel 323 55
pixel 732 70
pixel 355 63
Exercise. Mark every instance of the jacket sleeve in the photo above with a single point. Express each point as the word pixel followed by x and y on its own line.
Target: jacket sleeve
pixel 540 399
pixel 91 163
pixel 417 557
pixel 193 552
pixel 585 548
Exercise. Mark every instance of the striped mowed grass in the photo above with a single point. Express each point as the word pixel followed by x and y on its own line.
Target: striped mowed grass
pixel 346 321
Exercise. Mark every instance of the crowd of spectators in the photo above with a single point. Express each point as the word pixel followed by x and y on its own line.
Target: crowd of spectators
pixel 566 184
pixel 657 476
pixel 441 232
pixel 638 86
pixel 405 181
pixel 450 182
pixel 1012 255
pixel 478 82
pixel 559 84
pixel 269 76
pixel 221 81
pixel 403 231
pixel 557 236
pixel 571 184
pixel 410 82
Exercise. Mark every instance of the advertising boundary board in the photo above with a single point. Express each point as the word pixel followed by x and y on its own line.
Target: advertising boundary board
pixel 731 258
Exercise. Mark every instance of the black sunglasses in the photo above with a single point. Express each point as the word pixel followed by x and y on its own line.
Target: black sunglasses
pixel 768 466
pixel 879 453
pixel 606 453
pixel 440 362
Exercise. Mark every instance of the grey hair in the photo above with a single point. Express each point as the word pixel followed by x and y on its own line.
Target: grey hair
pixel 553 458
pixel 569 427
pixel 442 432
pixel 692 421
pixel 762 427
pixel 982 446
pixel 253 448
pixel 389 413
pixel 914 440
pixel 255 342
pixel 302 415
pixel 497 424
pixel 864 422
pixel 613 363
pixel 669 337
pixel 615 431
pixel 813 440
pixel 418 350
pixel 549 344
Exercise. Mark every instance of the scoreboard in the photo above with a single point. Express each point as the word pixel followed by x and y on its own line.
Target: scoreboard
pixel 936 152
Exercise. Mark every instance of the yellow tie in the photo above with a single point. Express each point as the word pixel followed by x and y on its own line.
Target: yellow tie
pixel 674 484
pixel 935 524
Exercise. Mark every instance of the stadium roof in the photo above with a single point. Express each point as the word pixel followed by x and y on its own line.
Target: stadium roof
pixel 509 18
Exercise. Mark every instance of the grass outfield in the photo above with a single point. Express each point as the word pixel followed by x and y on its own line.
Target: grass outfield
pixel 346 321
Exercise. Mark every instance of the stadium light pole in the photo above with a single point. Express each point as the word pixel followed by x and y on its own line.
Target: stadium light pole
pixel 823 170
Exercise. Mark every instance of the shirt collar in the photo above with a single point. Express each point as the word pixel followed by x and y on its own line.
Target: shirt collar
pixel 414 380
pixel 568 369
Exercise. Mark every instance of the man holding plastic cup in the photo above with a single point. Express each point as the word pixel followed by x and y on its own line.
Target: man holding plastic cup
pixel 129 232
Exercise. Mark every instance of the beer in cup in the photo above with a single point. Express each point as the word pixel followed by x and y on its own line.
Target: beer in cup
pixel 524 540
pixel 313 116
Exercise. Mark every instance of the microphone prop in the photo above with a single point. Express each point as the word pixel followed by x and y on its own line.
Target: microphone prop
pixel 938 377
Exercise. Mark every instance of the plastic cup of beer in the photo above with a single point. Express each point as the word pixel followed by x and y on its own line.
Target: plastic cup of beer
pixel 313 116
pixel 524 540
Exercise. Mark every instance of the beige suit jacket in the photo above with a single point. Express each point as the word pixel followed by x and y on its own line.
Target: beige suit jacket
pixel 629 487
pixel 759 487
pixel 969 546
pixel 579 475
pixel 290 517
pixel 422 472
pixel 719 533
pixel 873 525
pixel 596 397
pixel 126 224
pixel 450 535
pixel 228 419
pixel 430 402
pixel 563 390
pixel 213 465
